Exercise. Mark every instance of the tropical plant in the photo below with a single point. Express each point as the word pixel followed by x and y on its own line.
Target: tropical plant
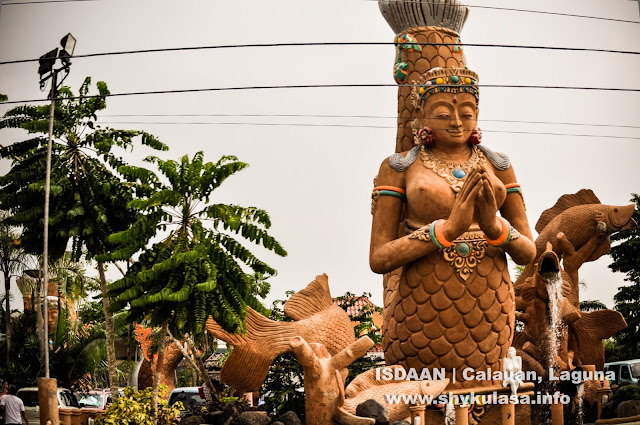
pixel 625 259
pixel 13 259
pixel 135 409
pixel 196 271
pixel 25 362
pixel 77 352
pixel 88 199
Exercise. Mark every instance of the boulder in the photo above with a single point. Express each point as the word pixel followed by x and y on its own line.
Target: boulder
pixel 628 408
pixel 289 418
pixel 252 418
pixel 373 409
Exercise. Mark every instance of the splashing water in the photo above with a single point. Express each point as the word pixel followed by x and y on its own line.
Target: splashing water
pixel 554 289
pixel 579 414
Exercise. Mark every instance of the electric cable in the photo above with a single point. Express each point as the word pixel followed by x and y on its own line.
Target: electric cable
pixel 308 86
pixel 353 116
pixel 270 124
pixel 337 43
pixel 543 12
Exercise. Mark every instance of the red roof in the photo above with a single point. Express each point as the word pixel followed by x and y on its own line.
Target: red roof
pixel 355 309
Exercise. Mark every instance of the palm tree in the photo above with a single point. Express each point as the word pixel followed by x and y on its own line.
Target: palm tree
pixel 13 260
pixel 194 271
pixel 88 199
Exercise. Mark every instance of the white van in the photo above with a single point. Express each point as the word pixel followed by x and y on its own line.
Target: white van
pixel 627 372
pixel 29 397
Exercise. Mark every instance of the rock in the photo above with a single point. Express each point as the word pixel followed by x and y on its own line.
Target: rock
pixel 192 420
pixel 403 422
pixel 628 408
pixel 289 418
pixel 230 412
pixel 277 423
pixel 373 409
pixel 252 418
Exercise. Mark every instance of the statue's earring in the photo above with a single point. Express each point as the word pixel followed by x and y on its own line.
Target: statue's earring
pixel 426 137
pixel 476 136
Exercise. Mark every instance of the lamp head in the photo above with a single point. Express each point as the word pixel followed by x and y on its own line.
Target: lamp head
pixel 47 61
pixel 68 44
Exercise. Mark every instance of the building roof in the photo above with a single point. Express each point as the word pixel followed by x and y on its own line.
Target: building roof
pixel 356 308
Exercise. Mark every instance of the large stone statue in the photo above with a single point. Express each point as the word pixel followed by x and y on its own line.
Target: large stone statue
pixel 453 306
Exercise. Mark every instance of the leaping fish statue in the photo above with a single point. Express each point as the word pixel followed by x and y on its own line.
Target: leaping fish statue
pixel 583 222
pixel 316 319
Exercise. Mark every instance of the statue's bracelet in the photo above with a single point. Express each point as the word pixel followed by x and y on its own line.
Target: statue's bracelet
pixel 505 237
pixel 437 236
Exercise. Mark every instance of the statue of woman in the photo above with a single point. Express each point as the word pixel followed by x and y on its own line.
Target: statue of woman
pixel 453 307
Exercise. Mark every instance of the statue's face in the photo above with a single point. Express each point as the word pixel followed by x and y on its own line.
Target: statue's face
pixel 451 116
pixel 511 352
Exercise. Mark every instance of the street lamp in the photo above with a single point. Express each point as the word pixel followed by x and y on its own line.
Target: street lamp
pixel 47 70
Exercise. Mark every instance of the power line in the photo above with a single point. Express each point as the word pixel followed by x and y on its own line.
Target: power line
pixel 406 1
pixel 40 2
pixel 346 43
pixel 542 12
pixel 270 124
pixel 310 86
pixel 355 116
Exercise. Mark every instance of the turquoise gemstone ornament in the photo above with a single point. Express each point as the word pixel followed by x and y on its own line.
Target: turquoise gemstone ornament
pixel 459 173
pixel 463 249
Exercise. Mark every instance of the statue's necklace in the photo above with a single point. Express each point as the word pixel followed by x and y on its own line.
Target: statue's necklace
pixel 453 172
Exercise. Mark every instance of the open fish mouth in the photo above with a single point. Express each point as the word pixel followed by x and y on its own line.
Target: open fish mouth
pixel 548 266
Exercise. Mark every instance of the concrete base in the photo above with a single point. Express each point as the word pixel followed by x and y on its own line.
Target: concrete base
pixel 48 401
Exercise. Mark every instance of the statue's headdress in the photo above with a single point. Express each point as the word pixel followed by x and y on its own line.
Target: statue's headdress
pixel 444 80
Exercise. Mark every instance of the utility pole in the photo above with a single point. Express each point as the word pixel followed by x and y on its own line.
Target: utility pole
pixel 47 387
pixel 45 259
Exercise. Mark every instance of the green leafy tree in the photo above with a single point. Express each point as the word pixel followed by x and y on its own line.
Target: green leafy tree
pixel 626 259
pixel 197 269
pixel 89 201
pixel 3 97
pixel 13 259
pixel 26 363
pixel 77 352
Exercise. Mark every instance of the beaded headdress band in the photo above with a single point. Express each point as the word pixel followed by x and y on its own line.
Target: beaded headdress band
pixel 445 80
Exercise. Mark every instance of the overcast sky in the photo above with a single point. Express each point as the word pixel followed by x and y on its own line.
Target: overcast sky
pixel 315 177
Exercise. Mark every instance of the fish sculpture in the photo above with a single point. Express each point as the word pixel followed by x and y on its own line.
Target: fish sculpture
pixel 578 227
pixel 578 224
pixel 316 320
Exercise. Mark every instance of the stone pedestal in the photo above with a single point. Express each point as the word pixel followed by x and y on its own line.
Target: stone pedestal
pixel 48 401
pixel 557 414
pixel 508 414
pixel 419 413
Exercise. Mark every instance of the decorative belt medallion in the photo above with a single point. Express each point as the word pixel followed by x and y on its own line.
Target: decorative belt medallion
pixel 466 252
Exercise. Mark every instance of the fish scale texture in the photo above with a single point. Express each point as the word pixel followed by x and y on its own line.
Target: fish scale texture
pixel 437 320
pixel 431 56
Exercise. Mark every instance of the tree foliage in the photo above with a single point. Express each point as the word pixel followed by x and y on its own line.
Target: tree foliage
pixel 88 201
pixel 626 259
pixel 197 269
pixel 26 365
pixel 77 352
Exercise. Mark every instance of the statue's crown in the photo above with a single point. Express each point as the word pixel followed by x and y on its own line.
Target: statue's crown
pixel 444 80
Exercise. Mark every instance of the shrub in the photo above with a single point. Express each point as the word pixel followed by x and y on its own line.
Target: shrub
pixel 135 409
